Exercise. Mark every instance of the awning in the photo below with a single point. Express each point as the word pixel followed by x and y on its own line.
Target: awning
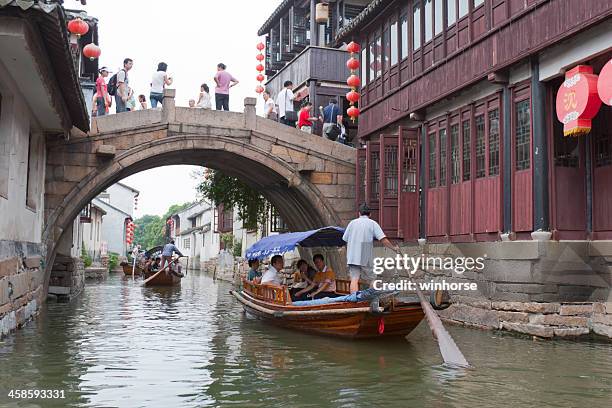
pixel 279 244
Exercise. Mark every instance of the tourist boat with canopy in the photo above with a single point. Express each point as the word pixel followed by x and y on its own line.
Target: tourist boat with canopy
pixel 365 314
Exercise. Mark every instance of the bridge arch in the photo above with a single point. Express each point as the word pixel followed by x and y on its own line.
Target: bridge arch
pixel 309 179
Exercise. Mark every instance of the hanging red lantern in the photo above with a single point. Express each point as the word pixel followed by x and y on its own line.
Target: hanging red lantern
pixel 260 46
pixel 352 64
pixel 78 27
pixel 259 67
pixel 260 78
pixel 604 83
pixel 259 89
pixel 353 47
pixel 259 57
pixel 92 51
pixel 352 97
pixel 577 100
pixel 353 112
pixel 353 81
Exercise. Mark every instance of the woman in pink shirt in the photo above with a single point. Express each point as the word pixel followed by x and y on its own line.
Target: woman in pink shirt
pixel 224 81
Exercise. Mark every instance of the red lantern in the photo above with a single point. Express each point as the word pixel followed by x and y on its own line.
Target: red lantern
pixel 260 46
pixel 259 57
pixel 352 64
pixel 352 96
pixel 353 47
pixel 259 67
pixel 260 78
pixel 259 89
pixel 92 51
pixel 577 100
pixel 353 81
pixel 604 83
pixel 353 112
pixel 78 27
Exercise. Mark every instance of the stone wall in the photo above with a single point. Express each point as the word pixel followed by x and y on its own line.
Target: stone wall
pixel 67 276
pixel 21 284
pixel 542 288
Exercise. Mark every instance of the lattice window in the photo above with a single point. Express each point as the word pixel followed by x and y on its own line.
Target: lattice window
pixel 277 224
pixel 480 146
pixel 362 177
pixel 455 158
pixel 374 175
pixel 187 243
pixel 522 135
pixel 443 157
pixel 494 142
pixel 391 181
pixel 467 150
pixel 602 153
pixel 432 161
pixel 409 166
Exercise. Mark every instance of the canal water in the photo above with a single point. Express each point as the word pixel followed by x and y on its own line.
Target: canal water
pixel 121 345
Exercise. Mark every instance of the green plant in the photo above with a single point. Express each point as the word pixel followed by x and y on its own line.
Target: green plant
pixel 113 260
pixel 87 261
pixel 228 240
pixel 237 248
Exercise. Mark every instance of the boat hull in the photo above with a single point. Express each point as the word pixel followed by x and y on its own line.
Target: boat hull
pixel 163 279
pixel 398 320
pixel 127 270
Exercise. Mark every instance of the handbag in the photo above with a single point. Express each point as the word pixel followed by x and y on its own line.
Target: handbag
pixel 290 115
pixel 333 131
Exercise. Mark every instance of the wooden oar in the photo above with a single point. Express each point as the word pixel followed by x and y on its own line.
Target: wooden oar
pixel 448 348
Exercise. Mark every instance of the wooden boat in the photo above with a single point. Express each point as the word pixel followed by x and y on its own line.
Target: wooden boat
pixel 342 319
pixel 127 269
pixel 162 279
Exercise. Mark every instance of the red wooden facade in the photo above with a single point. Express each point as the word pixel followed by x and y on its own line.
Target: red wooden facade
pixel 414 54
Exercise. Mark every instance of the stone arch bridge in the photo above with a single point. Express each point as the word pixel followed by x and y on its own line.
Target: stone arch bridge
pixel 309 179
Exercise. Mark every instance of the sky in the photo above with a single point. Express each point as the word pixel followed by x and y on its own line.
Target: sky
pixel 192 37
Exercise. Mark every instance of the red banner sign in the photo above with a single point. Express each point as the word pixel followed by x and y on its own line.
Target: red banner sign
pixel 577 100
pixel 604 83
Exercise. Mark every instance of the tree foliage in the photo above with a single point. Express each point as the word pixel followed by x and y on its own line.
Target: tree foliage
pixel 219 188
pixel 151 228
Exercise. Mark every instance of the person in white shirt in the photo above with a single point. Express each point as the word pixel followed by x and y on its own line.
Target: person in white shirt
pixel 158 83
pixel 284 101
pixel 359 237
pixel 204 101
pixel 272 275
pixel 269 107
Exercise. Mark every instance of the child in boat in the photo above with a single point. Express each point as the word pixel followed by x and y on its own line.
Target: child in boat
pixel 323 284
pixel 302 278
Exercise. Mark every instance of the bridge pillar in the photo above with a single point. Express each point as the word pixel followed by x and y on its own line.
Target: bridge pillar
pixel 250 114
pixel 169 105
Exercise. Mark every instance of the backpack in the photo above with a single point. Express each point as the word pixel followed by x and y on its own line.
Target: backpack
pixel 112 85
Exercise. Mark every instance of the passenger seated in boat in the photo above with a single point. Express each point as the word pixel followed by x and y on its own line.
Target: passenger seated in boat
pixel 302 278
pixel 254 275
pixel 152 265
pixel 272 275
pixel 324 282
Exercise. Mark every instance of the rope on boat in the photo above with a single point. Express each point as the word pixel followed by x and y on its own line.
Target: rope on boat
pixel 282 313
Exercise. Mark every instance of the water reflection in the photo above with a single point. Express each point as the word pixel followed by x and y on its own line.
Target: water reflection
pixel 123 345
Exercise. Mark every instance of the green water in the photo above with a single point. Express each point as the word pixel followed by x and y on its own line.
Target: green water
pixel 120 345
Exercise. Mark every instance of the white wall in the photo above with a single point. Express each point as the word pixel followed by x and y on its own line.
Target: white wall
pixel 92 234
pixel 122 198
pixel 16 123
pixel 113 228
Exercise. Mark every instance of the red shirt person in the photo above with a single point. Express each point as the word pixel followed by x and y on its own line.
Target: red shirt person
pixel 305 118
pixel 103 101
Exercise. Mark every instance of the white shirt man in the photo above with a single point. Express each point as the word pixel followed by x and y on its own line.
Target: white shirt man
pixel 284 101
pixel 359 237
pixel 272 276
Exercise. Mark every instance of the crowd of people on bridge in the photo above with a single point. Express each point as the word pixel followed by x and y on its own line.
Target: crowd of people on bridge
pixel 117 89
pixel 282 108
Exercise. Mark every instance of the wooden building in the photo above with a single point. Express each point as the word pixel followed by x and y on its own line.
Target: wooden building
pixel 459 136
pixel 300 49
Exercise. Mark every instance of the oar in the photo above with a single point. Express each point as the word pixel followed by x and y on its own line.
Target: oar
pixel 157 273
pixel 448 348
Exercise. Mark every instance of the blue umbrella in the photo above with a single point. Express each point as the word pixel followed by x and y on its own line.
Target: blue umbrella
pixel 279 244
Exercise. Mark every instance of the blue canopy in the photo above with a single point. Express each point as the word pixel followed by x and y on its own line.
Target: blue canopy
pixel 279 244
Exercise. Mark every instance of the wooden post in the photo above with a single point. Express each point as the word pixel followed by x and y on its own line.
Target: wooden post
pixel 540 151
pixel 507 158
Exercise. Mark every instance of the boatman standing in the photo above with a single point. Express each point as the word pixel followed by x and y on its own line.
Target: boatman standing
pixel 167 252
pixel 359 237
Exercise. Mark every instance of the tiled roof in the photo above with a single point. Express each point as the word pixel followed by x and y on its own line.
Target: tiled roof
pixel 365 16
pixel 275 15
